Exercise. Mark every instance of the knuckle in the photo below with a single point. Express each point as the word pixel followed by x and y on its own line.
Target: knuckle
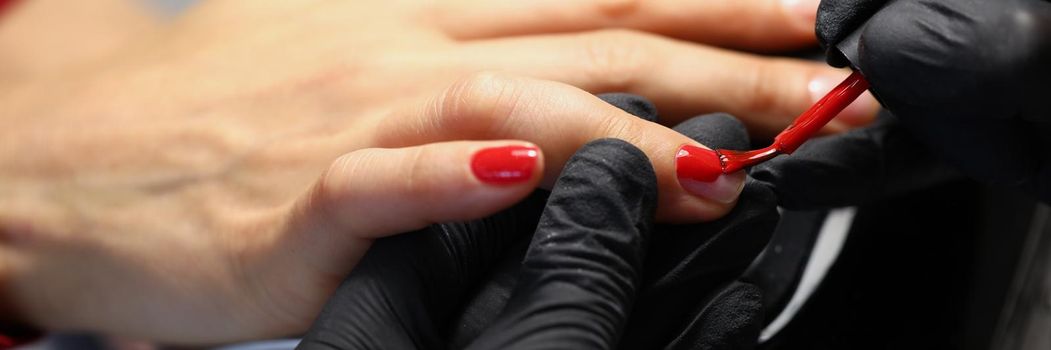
pixel 341 179
pixel 418 183
pixel 766 93
pixel 615 58
pixel 477 105
pixel 760 97
pixel 627 129
pixel 616 9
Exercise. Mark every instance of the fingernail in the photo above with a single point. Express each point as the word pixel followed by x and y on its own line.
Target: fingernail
pixel 861 112
pixel 700 173
pixel 805 9
pixel 505 165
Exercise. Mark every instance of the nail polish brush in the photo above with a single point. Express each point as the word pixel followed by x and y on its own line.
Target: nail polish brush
pixel 712 163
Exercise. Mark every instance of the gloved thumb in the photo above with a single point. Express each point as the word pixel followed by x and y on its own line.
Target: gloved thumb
pixel 583 267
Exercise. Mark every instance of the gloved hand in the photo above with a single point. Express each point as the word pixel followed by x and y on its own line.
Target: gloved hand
pixel 690 296
pixel 879 161
pixel 968 77
pixel 574 288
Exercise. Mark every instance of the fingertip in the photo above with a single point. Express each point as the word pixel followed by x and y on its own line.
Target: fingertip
pixel 724 189
pixel 709 192
pixel 686 208
pixel 803 13
pixel 498 174
pixel 705 193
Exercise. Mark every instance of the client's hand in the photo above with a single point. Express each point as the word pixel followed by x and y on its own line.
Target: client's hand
pixel 173 192
pixel 124 234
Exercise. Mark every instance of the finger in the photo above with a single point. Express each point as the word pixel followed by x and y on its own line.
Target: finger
pixel 760 24
pixel 722 130
pixel 372 193
pixel 851 168
pixel 579 277
pixel 683 79
pixel 560 119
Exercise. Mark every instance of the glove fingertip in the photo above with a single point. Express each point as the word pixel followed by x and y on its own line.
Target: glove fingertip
pixel 838 18
pixel 621 165
pixel 717 130
pixel 634 104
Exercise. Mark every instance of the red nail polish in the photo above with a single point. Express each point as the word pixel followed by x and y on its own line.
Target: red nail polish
pixel 505 165
pixel 697 164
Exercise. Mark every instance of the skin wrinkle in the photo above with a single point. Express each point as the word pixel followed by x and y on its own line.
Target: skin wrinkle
pixel 508 105
pixel 419 184
pixel 321 196
pixel 470 106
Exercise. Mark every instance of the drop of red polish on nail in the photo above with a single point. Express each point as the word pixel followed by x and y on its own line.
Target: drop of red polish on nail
pixel 699 164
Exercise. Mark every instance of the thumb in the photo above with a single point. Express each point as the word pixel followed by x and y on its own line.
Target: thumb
pixel 372 193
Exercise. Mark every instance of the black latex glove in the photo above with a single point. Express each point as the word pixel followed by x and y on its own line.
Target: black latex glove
pixel 875 162
pixel 573 290
pixel 969 77
pixel 690 298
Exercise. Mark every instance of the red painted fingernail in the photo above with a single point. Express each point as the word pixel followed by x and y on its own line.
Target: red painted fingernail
pixel 701 174
pixel 698 164
pixel 505 165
